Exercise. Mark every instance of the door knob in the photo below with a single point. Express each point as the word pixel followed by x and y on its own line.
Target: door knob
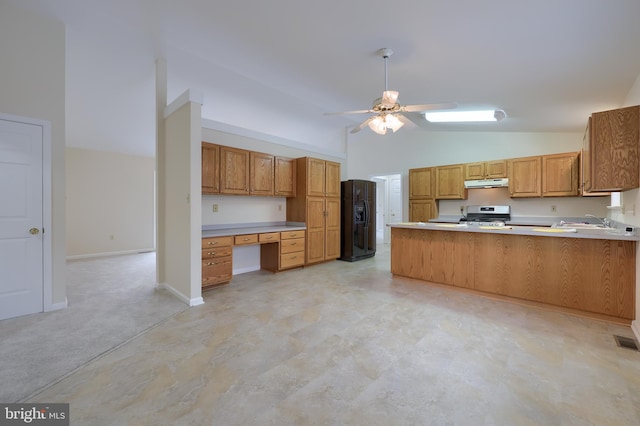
pixel 34 231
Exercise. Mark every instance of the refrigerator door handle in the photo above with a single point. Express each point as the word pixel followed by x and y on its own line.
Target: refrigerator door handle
pixel 366 213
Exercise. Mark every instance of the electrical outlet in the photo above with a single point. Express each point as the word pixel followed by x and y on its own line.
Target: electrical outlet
pixel 280 207
pixel 215 208
pixel 553 208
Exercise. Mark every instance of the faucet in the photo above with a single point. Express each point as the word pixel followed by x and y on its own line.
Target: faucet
pixel 606 222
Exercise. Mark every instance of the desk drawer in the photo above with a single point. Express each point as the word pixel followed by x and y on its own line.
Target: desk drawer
pixel 245 239
pixel 291 246
pixel 287 235
pixel 216 242
pixel 209 253
pixel 269 237
pixel 216 270
pixel 290 260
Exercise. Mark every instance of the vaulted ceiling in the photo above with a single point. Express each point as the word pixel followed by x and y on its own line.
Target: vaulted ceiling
pixel 276 66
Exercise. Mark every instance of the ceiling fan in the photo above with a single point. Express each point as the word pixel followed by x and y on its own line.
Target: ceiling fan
pixel 387 111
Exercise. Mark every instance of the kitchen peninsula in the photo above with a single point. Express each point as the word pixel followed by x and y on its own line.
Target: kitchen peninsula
pixel 588 272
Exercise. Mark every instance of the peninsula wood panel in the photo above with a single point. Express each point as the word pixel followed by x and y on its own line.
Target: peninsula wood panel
pixel 589 275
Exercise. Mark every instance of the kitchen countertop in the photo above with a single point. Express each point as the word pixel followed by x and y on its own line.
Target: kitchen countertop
pixel 538 231
pixel 250 228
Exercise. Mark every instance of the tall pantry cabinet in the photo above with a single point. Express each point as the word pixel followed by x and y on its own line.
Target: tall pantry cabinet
pixel 317 204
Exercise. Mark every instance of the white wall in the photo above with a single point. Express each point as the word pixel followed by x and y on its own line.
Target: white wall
pixel 32 84
pixel 180 229
pixel 110 202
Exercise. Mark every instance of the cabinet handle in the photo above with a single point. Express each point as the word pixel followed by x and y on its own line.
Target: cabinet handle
pixel 293 244
pixel 212 243
pixel 268 238
pixel 211 263
pixel 211 253
pixel 246 239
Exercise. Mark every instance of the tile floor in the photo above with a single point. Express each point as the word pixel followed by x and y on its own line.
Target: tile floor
pixel 348 344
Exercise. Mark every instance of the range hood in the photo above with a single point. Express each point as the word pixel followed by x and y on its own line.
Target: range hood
pixel 487 183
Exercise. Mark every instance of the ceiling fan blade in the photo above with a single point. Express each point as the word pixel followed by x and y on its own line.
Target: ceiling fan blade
pixel 362 125
pixel 428 107
pixel 362 111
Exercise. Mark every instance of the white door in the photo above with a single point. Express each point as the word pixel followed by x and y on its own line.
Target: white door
pixel 21 209
pixel 395 199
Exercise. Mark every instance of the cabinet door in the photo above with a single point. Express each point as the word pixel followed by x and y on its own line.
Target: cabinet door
pixel 285 177
pixel 560 175
pixel 422 210
pixel 495 169
pixel 315 229
pixel 332 224
pixel 614 140
pixel 525 177
pixel 210 168
pixel 315 177
pixel 234 171
pixel 450 182
pixel 261 172
pixel 474 171
pixel 422 183
pixel 332 179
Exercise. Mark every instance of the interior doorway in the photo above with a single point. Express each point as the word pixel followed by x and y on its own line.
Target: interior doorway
pixel 388 204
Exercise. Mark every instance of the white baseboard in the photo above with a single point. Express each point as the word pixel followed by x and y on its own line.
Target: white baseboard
pixel 191 302
pixel 635 327
pixel 111 253
pixel 56 306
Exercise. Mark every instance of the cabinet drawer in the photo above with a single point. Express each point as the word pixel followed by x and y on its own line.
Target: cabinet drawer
pixel 213 252
pixel 270 237
pixel 216 270
pixel 290 260
pixel 216 242
pixel 291 246
pixel 292 234
pixel 245 239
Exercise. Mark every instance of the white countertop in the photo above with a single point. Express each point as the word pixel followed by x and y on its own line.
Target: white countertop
pixel 538 231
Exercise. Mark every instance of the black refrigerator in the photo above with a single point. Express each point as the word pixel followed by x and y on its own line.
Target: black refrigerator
pixel 358 220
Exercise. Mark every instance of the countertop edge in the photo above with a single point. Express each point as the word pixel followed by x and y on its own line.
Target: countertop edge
pixel 522 230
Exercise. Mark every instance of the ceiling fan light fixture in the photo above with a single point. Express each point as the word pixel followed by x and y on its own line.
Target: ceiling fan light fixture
pixel 464 116
pixel 378 125
pixel 382 123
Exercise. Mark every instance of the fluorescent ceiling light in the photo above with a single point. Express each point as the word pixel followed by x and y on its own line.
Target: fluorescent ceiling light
pixel 464 116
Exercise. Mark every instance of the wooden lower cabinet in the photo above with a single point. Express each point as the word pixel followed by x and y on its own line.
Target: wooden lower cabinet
pixel 289 253
pixel 590 276
pixel 217 265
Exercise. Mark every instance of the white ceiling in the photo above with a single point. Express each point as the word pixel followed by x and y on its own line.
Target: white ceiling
pixel 275 66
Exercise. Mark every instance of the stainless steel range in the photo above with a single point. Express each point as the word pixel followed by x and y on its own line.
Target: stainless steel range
pixel 487 215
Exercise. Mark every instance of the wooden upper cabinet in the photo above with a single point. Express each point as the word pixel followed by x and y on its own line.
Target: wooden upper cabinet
pixel 323 178
pixel 485 170
pixel 315 177
pixel 234 171
pixel 210 168
pixel 560 175
pixel 450 182
pixel 613 150
pixel 422 183
pixel 525 177
pixel 332 179
pixel 261 174
pixel 285 177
